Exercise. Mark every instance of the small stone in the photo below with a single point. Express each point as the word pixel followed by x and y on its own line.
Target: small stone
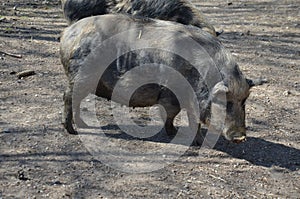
pixel 6 130
pixel 186 186
pixel 21 176
pixel 57 182
pixel 286 93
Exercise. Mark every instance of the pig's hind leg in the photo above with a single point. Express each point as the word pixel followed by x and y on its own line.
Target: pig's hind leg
pixel 172 107
pixel 68 112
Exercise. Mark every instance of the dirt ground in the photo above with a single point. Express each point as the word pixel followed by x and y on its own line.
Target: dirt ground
pixel 39 160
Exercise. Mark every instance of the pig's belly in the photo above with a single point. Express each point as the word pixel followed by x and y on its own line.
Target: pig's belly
pixel 143 96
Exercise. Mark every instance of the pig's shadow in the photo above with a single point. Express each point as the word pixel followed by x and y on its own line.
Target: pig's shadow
pixel 255 150
pixel 263 153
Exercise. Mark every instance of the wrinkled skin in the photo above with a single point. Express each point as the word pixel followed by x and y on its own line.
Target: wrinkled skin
pixel 81 38
pixel 181 11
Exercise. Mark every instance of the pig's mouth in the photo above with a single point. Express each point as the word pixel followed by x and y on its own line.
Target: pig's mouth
pixel 236 135
pixel 239 140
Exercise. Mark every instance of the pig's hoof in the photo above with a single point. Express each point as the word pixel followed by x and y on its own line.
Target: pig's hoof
pixel 72 132
pixel 70 129
pixel 197 142
pixel 171 131
pixel 199 139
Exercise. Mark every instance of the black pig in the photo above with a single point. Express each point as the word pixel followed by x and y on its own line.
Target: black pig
pixel 203 60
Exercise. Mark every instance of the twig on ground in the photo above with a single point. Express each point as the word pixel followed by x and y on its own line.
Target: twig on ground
pixel 217 178
pixel 11 54
pixel 25 73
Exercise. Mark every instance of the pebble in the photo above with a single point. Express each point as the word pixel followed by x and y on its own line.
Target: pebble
pixel 286 93
pixel 57 182
pixel 6 130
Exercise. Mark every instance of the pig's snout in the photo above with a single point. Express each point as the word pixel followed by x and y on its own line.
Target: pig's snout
pixel 235 134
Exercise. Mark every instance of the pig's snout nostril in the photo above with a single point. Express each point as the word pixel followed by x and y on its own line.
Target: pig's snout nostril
pixel 238 140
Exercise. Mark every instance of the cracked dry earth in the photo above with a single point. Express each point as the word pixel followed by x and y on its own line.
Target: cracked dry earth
pixel 38 159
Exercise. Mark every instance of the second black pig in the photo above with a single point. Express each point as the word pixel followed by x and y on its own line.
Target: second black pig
pixel 181 11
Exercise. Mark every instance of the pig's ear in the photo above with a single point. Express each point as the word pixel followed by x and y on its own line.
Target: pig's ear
pixel 256 82
pixel 220 88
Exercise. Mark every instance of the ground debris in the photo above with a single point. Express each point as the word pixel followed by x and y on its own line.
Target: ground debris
pixel 11 54
pixel 21 176
pixel 25 73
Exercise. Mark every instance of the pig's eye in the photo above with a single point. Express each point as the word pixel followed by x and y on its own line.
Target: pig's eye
pixel 229 106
